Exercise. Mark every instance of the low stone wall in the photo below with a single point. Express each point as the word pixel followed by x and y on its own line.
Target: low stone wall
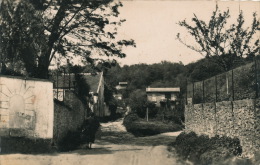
pixel 239 119
pixel 68 116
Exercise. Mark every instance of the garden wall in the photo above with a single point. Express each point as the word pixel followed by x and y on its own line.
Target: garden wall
pixel 240 118
pixel 68 115
pixel 26 107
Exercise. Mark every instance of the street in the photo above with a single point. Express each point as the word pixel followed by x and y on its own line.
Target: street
pixel 115 147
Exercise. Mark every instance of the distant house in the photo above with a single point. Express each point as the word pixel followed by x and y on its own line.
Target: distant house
pixel 161 96
pixel 118 96
pixel 96 94
pixel 120 87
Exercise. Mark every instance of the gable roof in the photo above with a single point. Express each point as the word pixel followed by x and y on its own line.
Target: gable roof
pixel 93 81
pixel 177 89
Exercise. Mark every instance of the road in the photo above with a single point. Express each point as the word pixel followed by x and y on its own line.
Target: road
pixel 115 147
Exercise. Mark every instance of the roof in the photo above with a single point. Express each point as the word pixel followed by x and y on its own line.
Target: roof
pixel 122 83
pixel 177 89
pixel 68 80
pixel 93 81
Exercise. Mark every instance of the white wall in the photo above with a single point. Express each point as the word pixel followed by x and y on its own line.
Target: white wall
pixel 26 107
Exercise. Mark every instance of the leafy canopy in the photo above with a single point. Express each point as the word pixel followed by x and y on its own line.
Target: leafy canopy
pixel 215 38
pixel 36 31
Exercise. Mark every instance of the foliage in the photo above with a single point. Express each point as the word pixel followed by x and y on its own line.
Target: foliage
pixel 70 142
pixel 21 36
pixel 215 39
pixel 131 117
pixel 67 28
pixel 205 150
pixel 242 80
pixel 137 101
pixel 81 87
pixel 174 117
pixel 113 107
pixel 140 76
pixel 152 109
pixel 204 69
pixel 139 127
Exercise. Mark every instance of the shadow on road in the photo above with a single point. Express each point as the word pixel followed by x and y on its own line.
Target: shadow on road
pixel 99 150
pixel 129 139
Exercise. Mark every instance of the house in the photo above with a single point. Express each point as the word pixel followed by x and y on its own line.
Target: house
pixel 118 96
pixel 95 99
pixel 96 83
pixel 162 96
pixel 120 87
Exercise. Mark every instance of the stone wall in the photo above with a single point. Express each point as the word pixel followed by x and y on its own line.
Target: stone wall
pixel 239 119
pixel 68 115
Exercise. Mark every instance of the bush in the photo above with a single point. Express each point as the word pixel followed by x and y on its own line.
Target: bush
pixel 131 117
pixel 139 127
pixel 205 150
pixel 173 117
pixel 71 141
pixel 137 100
pixel 152 109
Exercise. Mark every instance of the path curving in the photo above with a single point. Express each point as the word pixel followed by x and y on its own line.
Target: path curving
pixel 116 147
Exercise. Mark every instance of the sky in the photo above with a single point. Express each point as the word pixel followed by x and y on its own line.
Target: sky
pixel 153 26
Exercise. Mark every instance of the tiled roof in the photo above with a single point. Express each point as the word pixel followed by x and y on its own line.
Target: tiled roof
pixel 163 89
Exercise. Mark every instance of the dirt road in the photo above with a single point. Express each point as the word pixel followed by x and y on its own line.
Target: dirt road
pixel 116 147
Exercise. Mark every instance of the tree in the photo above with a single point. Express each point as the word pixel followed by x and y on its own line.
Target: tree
pixel 214 38
pixel 66 27
pixel 137 101
pixel 20 39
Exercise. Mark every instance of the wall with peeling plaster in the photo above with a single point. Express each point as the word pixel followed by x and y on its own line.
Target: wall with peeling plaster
pixel 26 107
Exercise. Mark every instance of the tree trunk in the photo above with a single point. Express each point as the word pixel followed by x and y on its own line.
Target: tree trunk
pixel 44 61
pixel 43 68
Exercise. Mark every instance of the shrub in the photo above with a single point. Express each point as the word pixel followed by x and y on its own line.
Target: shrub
pixel 70 142
pixel 137 100
pixel 139 127
pixel 205 150
pixel 173 117
pixel 131 117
